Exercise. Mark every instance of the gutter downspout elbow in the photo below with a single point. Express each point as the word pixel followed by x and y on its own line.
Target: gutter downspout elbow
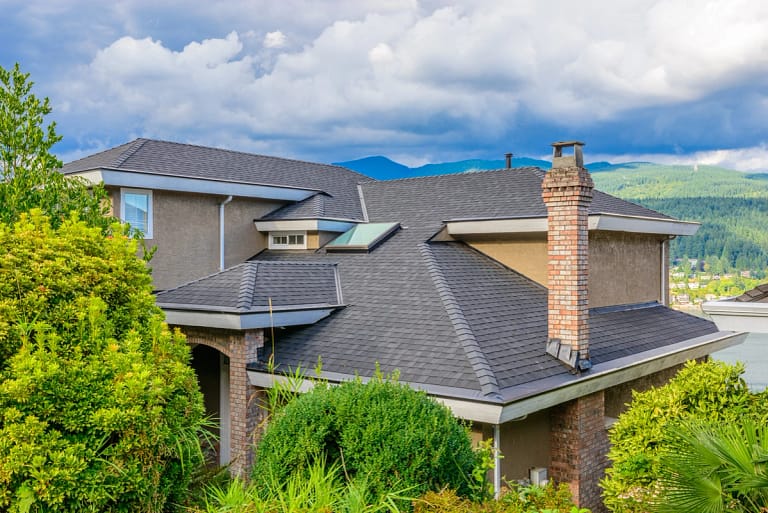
pixel 221 231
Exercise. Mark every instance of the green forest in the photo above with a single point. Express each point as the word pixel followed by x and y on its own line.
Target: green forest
pixel 731 206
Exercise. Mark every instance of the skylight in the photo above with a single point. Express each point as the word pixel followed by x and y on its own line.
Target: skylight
pixel 362 237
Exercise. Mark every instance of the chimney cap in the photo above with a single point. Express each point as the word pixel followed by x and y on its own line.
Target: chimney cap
pixel 559 161
pixel 565 144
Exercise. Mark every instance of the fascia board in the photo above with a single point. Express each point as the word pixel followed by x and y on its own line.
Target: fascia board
pixel 116 178
pixel 603 222
pixel 286 225
pixel 245 321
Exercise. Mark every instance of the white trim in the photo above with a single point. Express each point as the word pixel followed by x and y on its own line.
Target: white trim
pixel 197 185
pixel 752 317
pixel 287 236
pixel 244 321
pixel 311 225
pixel 603 222
pixel 148 233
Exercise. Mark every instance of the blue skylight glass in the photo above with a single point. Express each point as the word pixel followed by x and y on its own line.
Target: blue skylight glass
pixel 362 237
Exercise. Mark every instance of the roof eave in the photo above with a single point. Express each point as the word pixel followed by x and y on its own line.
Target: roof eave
pixel 143 180
pixel 310 224
pixel 222 318
pixel 597 222
pixel 730 315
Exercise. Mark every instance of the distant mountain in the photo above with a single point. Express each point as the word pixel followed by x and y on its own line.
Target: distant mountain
pixel 383 168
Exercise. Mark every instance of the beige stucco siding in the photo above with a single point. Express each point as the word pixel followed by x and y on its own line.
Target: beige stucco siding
pixel 186 234
pixel 527 256
pixel 624 268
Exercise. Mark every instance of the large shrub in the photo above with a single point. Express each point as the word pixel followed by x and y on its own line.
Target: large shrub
pixel 713 391
pixel 99 409
pixel 385 433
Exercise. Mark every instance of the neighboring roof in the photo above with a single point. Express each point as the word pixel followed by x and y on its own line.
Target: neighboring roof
pixel 757 295
pixel 153 157
pixel 249 286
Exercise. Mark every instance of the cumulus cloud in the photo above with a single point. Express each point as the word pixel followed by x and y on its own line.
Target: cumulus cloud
pixel 438 73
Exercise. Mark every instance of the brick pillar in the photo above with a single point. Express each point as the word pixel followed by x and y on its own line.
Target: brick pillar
pixel 579 444
pixel 242 350
pixel 567 193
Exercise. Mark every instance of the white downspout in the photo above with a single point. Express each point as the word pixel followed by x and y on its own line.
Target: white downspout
pixel 665 273
pixel 497 460
pixel 221 232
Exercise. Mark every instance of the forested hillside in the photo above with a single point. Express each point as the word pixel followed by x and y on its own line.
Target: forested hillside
pixel 731 206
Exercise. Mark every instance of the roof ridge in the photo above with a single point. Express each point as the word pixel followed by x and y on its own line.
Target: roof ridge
pixel 128 153
pixel 247 285
pixel 489 385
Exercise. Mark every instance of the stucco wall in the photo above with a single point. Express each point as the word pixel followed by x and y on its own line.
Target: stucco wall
pixel 623 267
pixel 186 234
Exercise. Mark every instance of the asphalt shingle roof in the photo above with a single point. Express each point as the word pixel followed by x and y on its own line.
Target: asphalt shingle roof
pixel 757 295
pixel 190 161
pixel 247 287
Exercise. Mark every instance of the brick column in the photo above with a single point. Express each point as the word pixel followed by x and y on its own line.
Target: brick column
pixel 567 193
pixel 579 444
pixel 241 394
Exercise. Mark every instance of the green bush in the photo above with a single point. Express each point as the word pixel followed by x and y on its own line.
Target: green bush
pixel 713 391
pixel 384 432
pixel 99 409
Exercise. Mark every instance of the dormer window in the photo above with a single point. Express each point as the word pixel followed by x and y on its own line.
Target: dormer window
pixel 287 240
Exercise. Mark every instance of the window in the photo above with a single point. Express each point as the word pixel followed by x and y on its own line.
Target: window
pixel 362 237
pixel 136 210
pixel 288 240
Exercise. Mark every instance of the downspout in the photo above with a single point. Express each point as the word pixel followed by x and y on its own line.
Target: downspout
pixel 665 272
pixel 221 231
pixel 497 460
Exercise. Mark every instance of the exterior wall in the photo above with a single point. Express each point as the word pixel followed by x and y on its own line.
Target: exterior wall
pixel 624 268
pixel 528 256
pixel 186 234
pixel 525 444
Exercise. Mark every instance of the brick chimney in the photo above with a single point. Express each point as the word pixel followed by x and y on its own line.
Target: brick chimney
pixel 567 193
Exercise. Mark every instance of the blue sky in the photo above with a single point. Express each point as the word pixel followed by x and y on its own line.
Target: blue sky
pixel 677 81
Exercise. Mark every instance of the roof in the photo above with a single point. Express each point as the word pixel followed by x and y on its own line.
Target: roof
pixel 248 287
pixel 152 157
pixel 757 295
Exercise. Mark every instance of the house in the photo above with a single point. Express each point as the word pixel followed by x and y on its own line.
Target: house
pixel 502 294
pixel 747 312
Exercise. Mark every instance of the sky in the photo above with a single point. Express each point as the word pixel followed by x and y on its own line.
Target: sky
pixel 668 81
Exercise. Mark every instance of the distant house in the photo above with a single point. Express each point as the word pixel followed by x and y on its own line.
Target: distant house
pixel 500 293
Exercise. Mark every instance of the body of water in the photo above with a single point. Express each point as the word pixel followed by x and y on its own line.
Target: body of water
pixel 754 354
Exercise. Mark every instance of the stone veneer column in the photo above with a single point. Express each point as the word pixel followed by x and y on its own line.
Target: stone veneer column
pixel 579 444
pixel 567 193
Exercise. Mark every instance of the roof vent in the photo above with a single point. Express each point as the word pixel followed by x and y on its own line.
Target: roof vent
pixel 509 159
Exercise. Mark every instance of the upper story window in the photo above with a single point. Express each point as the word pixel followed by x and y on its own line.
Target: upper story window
pixel 287 240
pixel 136 210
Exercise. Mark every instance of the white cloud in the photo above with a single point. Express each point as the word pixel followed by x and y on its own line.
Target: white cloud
pixel 275 39
pixel 751 159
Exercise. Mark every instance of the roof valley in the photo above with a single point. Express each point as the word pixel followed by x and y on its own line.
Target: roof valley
pixel 477 359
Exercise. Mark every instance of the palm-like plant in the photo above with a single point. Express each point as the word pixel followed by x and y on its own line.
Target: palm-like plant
pixel 711 468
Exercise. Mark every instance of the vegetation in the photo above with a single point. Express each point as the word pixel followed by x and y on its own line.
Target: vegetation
pixel 711 468
pixel 731 206
pixel 517 499
pixel 29 176
pixel 382 433
pixel 713 392
pixel 99 409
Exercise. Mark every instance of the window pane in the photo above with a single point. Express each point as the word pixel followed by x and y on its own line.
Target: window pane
pixel 137 210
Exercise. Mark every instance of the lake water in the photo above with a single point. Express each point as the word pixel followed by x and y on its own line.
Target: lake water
pixel 754 354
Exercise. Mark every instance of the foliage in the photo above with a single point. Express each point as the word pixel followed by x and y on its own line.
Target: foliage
pixel 712 468
pixel 517 499
pixel 29 176
pixel 382 431
pixel 99 409
pixel 712 391
pixel 320 489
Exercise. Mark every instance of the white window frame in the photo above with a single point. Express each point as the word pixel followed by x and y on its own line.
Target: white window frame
pixel 287 235
pixel 146 192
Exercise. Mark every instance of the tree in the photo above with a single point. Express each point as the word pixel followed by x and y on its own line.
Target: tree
pixel 713 391
pixel 714 468
pixel 99 408
pixel 29 176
